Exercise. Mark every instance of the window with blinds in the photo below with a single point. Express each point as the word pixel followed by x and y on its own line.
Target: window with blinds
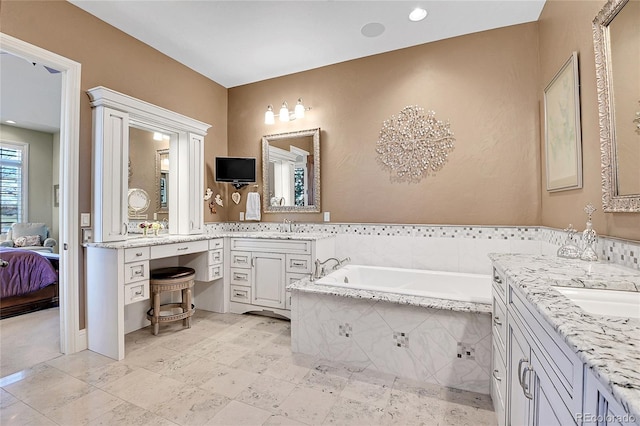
pixel 13 191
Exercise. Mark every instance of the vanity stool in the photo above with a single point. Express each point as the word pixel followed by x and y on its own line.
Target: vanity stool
pixel 171 279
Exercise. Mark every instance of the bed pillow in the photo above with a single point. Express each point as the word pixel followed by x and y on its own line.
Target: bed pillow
pixel 27 241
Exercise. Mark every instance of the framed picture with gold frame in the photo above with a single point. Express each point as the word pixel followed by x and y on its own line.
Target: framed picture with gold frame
pixel 563 140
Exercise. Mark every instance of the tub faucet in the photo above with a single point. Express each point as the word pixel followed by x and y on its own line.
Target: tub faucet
pixel 321 268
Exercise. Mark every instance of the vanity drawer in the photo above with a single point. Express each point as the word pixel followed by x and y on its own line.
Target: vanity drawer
pixel 215 272
pixel 215 256
pixel 241 277
pixel 499 324
pixel 178 249
pixel 215 244
pixel 500 284
pixel 136 254
pixel 298 263
pixel 136 271
pixel 241 259
pixel 135 292
pixel 240 294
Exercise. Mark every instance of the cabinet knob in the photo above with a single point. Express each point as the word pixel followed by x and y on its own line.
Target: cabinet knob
pixel 496 321
pixel 497 279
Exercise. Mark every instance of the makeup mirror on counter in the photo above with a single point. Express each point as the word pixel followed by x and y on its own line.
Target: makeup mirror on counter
pixel 291 172
pixel 616 36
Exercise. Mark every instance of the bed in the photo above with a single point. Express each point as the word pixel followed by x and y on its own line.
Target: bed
pixel 28 281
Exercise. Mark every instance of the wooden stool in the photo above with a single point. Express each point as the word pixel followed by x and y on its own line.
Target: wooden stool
pixel 171 279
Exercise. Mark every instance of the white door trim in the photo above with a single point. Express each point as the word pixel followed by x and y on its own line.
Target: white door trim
pixel 72 339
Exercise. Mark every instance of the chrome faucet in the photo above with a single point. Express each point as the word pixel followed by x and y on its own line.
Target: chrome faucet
pixel 286 225
pixel 320 270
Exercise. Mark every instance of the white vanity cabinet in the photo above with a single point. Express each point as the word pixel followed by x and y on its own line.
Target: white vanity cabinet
pixel 537 379
pixel 262 268
pixel 113 114
pixel 118 287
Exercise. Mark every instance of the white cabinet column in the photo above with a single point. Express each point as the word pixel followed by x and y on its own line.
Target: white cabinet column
pixel 110 170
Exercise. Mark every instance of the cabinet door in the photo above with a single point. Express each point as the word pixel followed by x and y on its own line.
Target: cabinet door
pixel 268 283
pixel 111 145
pixel 196 183
pixel 520 353
pixel 548 407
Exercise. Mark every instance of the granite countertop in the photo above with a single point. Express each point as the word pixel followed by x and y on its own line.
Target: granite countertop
pixel 308 286
pixel 608 345
pixel 135 240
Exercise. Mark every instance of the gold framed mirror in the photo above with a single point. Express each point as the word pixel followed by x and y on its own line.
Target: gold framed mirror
pixel 291 172
pixel 616 38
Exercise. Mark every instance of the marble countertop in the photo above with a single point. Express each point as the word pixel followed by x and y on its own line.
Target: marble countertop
pixel 308 286
pixel 608 345
pixel 135 240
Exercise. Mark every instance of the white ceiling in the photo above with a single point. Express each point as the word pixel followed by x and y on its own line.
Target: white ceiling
pixel 239 42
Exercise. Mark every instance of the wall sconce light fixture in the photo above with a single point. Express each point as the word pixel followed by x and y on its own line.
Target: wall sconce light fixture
pixel 285 114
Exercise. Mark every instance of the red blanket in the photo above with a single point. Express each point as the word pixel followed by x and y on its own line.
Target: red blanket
pixel 26 271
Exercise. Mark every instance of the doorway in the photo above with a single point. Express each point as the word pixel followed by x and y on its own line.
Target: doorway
pixel 72 339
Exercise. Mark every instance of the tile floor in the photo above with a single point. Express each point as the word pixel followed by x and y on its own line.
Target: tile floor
pixel 226 370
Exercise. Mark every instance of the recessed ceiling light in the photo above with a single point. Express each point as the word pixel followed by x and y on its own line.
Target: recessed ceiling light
pixel 10 122
pixel 372 29
pixel 417 14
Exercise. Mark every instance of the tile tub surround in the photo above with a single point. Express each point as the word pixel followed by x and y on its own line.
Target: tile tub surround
pixel 430 340
pixel 607 345
pixel 442 247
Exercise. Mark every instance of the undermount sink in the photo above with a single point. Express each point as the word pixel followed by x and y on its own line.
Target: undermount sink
pixel 605 302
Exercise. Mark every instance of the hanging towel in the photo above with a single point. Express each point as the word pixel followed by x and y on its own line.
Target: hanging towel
pixel 253 206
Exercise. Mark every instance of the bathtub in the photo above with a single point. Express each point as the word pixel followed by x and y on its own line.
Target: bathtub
pixel 429 326
pixel 462 287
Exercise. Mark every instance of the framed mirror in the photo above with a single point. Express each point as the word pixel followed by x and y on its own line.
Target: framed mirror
pixel 149 170
pixel 291 172
pixel 616 37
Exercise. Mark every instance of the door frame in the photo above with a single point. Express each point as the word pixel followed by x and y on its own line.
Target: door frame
pixel 72 339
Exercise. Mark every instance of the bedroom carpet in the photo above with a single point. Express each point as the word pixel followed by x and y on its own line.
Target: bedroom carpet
pixel 29 339
pixel 226 369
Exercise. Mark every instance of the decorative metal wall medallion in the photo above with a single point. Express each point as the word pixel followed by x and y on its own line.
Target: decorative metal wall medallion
pixel 414 145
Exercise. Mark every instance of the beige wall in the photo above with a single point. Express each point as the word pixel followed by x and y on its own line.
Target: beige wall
pixel 485 84
pixel 565 26
pixel 40 200
pixel 113 59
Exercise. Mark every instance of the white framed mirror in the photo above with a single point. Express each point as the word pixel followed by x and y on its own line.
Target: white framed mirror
pixel 616 37
pixel 149 169
pixel 291 172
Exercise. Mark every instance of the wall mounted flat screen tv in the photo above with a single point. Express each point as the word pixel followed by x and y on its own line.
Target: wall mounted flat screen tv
pixel 236 170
